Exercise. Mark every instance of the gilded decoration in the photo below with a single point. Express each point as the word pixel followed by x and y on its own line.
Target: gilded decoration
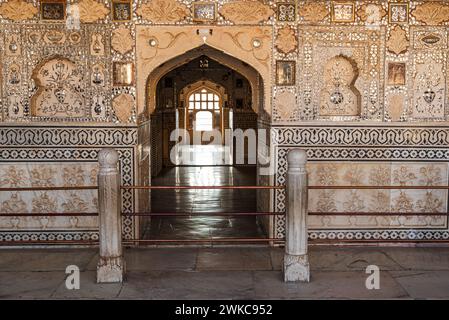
pixel 431 13
pixel 122 40
pixel 246 12
pixel 286 40
pixel 163 11
pixel 18 10
pixel 60 90
pixel 397 42
pixel 92 11
pixel 314 11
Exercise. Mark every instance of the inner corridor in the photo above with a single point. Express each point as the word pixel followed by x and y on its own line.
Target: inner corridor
pixel 196 202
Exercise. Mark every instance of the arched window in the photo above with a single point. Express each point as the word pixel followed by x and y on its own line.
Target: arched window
pixel 204 100
pixel 203 121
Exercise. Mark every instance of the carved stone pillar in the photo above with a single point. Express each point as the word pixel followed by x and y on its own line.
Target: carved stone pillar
pixel 111 266
pixel 296 262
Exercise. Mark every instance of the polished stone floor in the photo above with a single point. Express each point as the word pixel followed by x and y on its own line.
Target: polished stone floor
pixel 195 202
pixel 203 155
pixel 228 273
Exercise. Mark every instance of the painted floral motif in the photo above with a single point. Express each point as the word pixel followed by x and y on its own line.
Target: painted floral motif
pixel 380 202
pixel 14 204
pixel 73 176
pixel 379 176
pixel 327 175
pixel 326 202
pixel 431 175
pixel 286 40
pixel 403 203
pixel 246 11
pixel 17 10
pixel 161 11
pixel 13 177
pixel 354 175
pixel 431 13
pixel 94 176
pixel 44 204
pixel 354 203
pixel 313 11
pixel 397 42
pixel 403 176
pixel 75 204
pixel 42 177
pixel 91 11
pixel 122 40
pixel 430 203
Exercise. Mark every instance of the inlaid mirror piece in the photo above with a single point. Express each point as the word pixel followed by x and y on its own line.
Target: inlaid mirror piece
pixel 121 10
pixel 53 10
pixel 285 73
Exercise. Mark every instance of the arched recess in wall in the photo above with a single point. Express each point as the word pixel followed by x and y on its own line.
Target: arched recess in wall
pixel 339 95
pixel 157 46
pixel 60 89
pixel 253 77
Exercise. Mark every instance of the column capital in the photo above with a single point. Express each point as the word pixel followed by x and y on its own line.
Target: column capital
pixel 297 158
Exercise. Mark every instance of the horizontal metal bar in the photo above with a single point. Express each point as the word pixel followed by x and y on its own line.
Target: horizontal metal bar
pixel 417 241
pixel 190 214
pixel 50 188
pixel 204 240
pixel 378 214
pixel 53 214
pixel 199 187
pixel 45 242
pixel 379 187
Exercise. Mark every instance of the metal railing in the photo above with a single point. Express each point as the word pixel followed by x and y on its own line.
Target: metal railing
pixel 202 213
pixel 48 214
pixel 380 214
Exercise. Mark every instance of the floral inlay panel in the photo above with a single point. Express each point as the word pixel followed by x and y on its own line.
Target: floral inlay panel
pixel 48 175
pixel 378 200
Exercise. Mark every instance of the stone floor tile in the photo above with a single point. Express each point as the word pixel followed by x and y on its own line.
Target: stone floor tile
pixel 89 289
pixel 234 259
pixel 29 285
pixel 329 285
pixel 44 259
pixel 424 284
pixel 161 259
pixel 188 285
pixel 428 258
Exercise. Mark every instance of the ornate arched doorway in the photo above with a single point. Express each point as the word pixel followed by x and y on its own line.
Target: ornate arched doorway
pixel 202 91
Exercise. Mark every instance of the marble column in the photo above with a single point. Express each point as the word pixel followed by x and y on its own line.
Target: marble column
pixel 111 266
pixel 296 262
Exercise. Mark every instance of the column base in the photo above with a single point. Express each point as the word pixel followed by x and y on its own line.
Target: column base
pixel 296 268
pixel 110 270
